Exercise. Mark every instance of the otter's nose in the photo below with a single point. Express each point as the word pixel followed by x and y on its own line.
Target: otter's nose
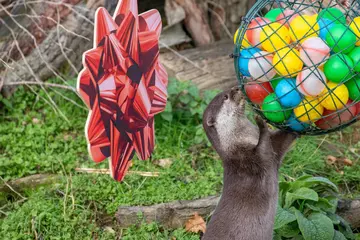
pixel 236 89
pixel 235 93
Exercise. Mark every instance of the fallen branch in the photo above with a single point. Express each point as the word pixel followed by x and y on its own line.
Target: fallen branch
pixel 107 171
pixel 350 211
pixel 175 214
pixel 170 215
pixel 32 181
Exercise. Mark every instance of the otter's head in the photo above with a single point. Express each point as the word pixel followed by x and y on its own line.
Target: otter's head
pixel 225 122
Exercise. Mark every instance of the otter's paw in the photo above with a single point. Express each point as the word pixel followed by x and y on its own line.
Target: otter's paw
pixel 261 123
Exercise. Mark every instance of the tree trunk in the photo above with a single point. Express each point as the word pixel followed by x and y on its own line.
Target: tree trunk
pixel 45 48
pixel 207 21
pixel 225 16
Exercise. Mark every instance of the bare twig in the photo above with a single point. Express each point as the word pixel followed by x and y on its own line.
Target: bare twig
pixel 107 171
pixel 30 69
pixel 12 189
pixel 221 20
pixel 36 47
pixel 4 213
pixel 33 228
pixel 45 84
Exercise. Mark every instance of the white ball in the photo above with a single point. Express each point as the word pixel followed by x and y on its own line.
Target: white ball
pixel 311 81
pixel 314 51
pixel 260 66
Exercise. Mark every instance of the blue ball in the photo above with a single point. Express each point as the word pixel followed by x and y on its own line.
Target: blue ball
pixel 287 93
pixel 245 56
pixel 296 125
pixel 325 25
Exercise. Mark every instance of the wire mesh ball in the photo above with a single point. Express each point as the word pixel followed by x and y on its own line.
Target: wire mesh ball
pixel 298 63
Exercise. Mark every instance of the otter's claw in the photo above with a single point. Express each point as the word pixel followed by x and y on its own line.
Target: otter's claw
pixel 261 123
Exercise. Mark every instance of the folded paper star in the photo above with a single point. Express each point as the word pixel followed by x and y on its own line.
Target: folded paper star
pixel 124 86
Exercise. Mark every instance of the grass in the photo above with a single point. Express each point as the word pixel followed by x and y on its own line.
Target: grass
pixel 34 139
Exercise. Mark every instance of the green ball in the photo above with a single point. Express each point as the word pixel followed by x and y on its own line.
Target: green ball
pixel 333 14
pixel 275 81
pixel 273 14
pixel 340 38
pixel 338 68
pixel 355 57
pixel 353 86
pixel 273 110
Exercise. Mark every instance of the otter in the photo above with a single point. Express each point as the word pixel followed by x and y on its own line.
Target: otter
pixel 251 158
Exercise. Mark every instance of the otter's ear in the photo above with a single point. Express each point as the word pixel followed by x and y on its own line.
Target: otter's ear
pixel 210 122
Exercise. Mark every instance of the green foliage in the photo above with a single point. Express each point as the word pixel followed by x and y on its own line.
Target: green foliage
pixel 155 232
pixel 307 209
pixel 35 139
pixel 186 104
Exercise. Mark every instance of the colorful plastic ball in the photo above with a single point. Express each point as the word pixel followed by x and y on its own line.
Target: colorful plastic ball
pixel 257 92
pixel 287 93
pixel 355 57
pixel 338 68
pixel 353 85
pixel 286 17
pixel 325 26
pixel 341 39
pixel 245 42
pixel 274 36
pixel 254 29
pixel 314 51
pixel 260 66
pixel 275 81
pixel 273 110
pixel 245 56
pixel 311 81
pixel 303 27
pixel 287 62
pixel 273 14
pixel 335 96
pixel 333 14
pixel 357 108
pixel 355 27
pixel 296 125
pixel 315 16
pixel 309 110
pixel 333 119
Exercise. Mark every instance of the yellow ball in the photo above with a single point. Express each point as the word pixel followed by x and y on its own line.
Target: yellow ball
pixel 245 42
pixel 315 16
pixel 274 36
pixel 287 62
pixel 355 27
pixel 303 27
pixel 309 110
pixel 335 96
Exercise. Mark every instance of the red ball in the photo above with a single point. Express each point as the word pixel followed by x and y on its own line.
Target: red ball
pixel 357 108
pixel 257 91
pixel 332 119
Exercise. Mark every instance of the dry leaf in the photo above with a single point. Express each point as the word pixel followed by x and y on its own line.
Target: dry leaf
pixel 109 230
pixel 35 121
pixel 347 162
pixel 195 224
pixel 331 160
pixel 164 163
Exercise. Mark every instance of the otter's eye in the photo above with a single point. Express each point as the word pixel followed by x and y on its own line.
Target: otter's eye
pixel 226 97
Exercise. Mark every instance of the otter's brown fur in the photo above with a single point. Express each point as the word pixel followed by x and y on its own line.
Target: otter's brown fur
pixel 251 158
